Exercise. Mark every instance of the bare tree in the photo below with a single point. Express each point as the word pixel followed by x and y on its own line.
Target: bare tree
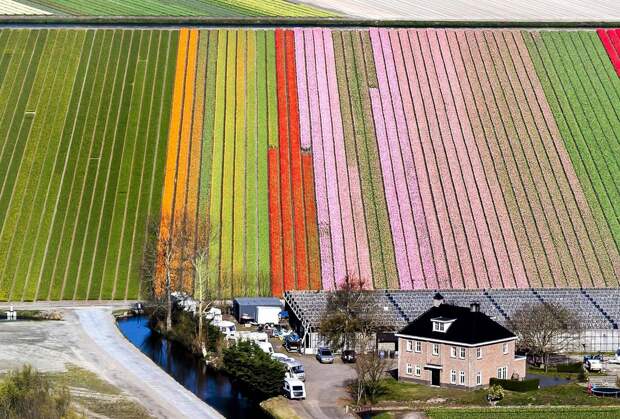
pixel 166 265
pixel 370 368
pixel 200 263
pixel 350 315
pixel 545 329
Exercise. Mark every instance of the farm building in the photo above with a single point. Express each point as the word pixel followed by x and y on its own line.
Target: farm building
pixel 597 310
pixel 260 310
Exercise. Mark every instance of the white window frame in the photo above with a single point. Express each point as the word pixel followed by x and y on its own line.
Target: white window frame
pixel 478 353
pixel 439 327
pixel 409 369
pixel 418 346
pixel 462 353
pixel 409 345
pixel 452 376
pixel 453 352
pixel 435 349
pixel 505 348
pixel 479 378
pixel 417 370
pixel 462 378
pixel 502 373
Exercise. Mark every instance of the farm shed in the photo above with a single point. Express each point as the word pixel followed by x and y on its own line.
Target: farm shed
pixel 259 309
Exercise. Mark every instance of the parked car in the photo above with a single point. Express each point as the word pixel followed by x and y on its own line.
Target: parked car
pixel 594 365
pixel 616 359
pixel 294 389
pixel 325 356
pixel 348 356
pixel 292 343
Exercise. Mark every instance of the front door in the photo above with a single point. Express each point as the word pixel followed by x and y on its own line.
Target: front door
pixel 435 377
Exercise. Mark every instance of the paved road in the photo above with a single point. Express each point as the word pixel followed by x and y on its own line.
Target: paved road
pixel 99 325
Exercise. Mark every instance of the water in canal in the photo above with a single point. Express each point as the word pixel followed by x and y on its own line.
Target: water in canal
pixel 214 388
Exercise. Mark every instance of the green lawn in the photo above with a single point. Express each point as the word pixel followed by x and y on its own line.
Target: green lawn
pixel 416 395
pixel 528 413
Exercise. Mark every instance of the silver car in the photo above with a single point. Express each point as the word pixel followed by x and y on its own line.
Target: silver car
pixel 325 356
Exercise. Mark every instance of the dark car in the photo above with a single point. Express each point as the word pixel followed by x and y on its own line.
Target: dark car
pixel 348 356
pixel 325 356
pixel 292 343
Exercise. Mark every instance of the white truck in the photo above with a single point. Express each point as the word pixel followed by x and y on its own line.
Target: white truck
pixel 294 368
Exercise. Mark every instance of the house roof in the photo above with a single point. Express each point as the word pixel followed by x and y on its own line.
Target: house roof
pixel 468 327
pixel 259 301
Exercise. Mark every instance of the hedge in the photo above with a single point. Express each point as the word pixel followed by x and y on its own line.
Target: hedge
pixel 516 385
pixel 574 367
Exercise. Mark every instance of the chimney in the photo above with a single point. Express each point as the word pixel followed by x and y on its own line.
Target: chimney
pixel 474 307
pixel 437 300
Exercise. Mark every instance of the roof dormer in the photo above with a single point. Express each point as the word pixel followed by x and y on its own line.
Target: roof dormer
pixel 442 324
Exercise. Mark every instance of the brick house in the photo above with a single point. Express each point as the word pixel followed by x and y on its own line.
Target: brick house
pixel 457 346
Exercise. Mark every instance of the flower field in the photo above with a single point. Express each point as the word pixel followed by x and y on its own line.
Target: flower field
pixel 407 158
pixel 216 8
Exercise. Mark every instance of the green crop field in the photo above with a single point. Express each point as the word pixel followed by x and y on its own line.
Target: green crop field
pixel 216 8
pixel 84 122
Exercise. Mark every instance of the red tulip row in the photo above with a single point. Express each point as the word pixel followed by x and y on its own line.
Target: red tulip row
pixel 611 41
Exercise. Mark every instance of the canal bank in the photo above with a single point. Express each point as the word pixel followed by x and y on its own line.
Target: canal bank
pixel 213 387
pixel 100 326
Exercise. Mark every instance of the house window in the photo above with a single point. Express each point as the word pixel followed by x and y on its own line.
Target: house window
pixel 452 377
pixel 479 378
pixel 438 327
pixel 409 345
pixel 462 378
pixel 435 349
pixel 453 351
pixel 479 353
pixel 418 346
pixel 409 369
pixel 418 370
pixel 462 354
pixel 505 348
pixel 502 373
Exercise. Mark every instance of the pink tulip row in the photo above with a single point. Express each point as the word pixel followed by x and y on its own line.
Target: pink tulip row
pixel 342 237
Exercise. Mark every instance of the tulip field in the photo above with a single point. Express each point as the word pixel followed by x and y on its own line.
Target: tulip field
pixel 405 158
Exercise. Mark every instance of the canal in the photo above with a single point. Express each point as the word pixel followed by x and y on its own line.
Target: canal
pixel 214 388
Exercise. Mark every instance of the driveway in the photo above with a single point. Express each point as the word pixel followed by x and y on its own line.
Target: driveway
pixel 326 387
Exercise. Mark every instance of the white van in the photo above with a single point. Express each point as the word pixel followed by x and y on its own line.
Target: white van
pixel 294 389
pixel 294 368
pixel 265 346
pixel 228 329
